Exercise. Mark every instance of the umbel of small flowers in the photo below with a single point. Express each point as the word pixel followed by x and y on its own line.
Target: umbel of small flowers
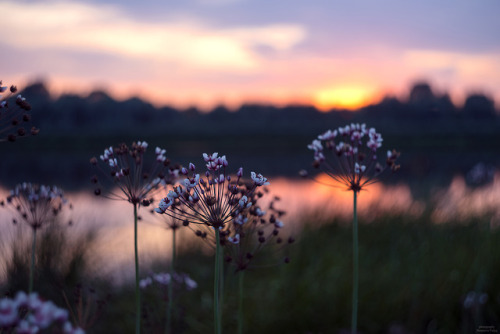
pixel 36 205
pixel 29 314
pixel 212 199
pixel 136 182
pixel 126 168
pixel 14 114
pixel 252 232
pixel 349 156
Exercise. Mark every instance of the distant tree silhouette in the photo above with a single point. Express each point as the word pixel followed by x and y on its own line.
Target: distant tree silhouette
pixel 479 106
pixel 421 92
pixel 422 98
pixel 100 114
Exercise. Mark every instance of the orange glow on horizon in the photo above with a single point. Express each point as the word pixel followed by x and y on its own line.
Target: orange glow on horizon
pixel 350 98
pixel 205 100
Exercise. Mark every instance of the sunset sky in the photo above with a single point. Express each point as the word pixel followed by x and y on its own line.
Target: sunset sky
pixel 207 52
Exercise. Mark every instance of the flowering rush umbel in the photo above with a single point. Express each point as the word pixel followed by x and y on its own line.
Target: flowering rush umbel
pixel 349 155
pixel 130 174
pixel 136 181
pixel 252 232
pixel 14 113
pixel 213 200
pixel 30 314
pixel 36 204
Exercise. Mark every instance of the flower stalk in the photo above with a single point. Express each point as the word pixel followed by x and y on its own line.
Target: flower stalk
pixel 355 268
pixel 137 291
pixel 32 267
pixel 215 203
pixel 217 273
pixel 125 167
pixel 168 327
pixel 36 205
pixel 241 292
pixel 349 156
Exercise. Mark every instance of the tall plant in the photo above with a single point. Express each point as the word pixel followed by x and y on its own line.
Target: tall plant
pixel 349 156
pixel 136 181
pixel 212 201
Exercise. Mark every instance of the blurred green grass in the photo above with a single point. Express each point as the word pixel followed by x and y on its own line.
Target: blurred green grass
pixel 414 278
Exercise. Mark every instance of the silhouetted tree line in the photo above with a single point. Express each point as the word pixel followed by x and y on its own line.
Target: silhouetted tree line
pixel 99 114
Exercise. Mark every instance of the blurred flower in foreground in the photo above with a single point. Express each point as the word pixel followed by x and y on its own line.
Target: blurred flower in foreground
pixel 212 200
pixel 14 114
pixel 480 174
pixel 136 182
pixel 161 285
pixel 30 314
pixel 166 279
pixel 349 156
pixel 36 205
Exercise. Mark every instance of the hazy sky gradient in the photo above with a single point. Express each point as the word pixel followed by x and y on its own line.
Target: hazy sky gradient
pixel 205 52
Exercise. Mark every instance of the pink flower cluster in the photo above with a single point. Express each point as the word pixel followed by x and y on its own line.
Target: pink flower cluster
pixel 131 174
pixel 29 314
pixel 213 199
pixel 353 155
pixel 13 116
pixel 36 204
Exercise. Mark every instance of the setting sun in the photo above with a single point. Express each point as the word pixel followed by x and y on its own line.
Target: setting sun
pixel 343 97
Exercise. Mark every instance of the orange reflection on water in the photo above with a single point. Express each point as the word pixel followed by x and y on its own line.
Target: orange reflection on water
pixel 113 254
pixel 329 199
pixel 461 202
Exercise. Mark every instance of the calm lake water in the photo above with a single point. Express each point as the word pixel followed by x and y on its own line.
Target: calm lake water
pixel 114 254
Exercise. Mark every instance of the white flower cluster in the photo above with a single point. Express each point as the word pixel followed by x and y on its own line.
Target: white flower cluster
pixel 197 188
pixel 354 149
pixel 35 193
pixel 128 171
pixel 40 315
pixel 36 204
pixel 346 141
pixel 166 279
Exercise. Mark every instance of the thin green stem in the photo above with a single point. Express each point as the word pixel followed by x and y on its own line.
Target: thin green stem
pixel 355 269
pixel 221 286
pixel 170 286
pixel 137 291
pixel 240 301
pixel 32 267
pixel 217 319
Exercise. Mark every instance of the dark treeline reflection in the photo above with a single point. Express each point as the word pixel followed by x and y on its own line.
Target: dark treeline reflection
pixel 437 139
